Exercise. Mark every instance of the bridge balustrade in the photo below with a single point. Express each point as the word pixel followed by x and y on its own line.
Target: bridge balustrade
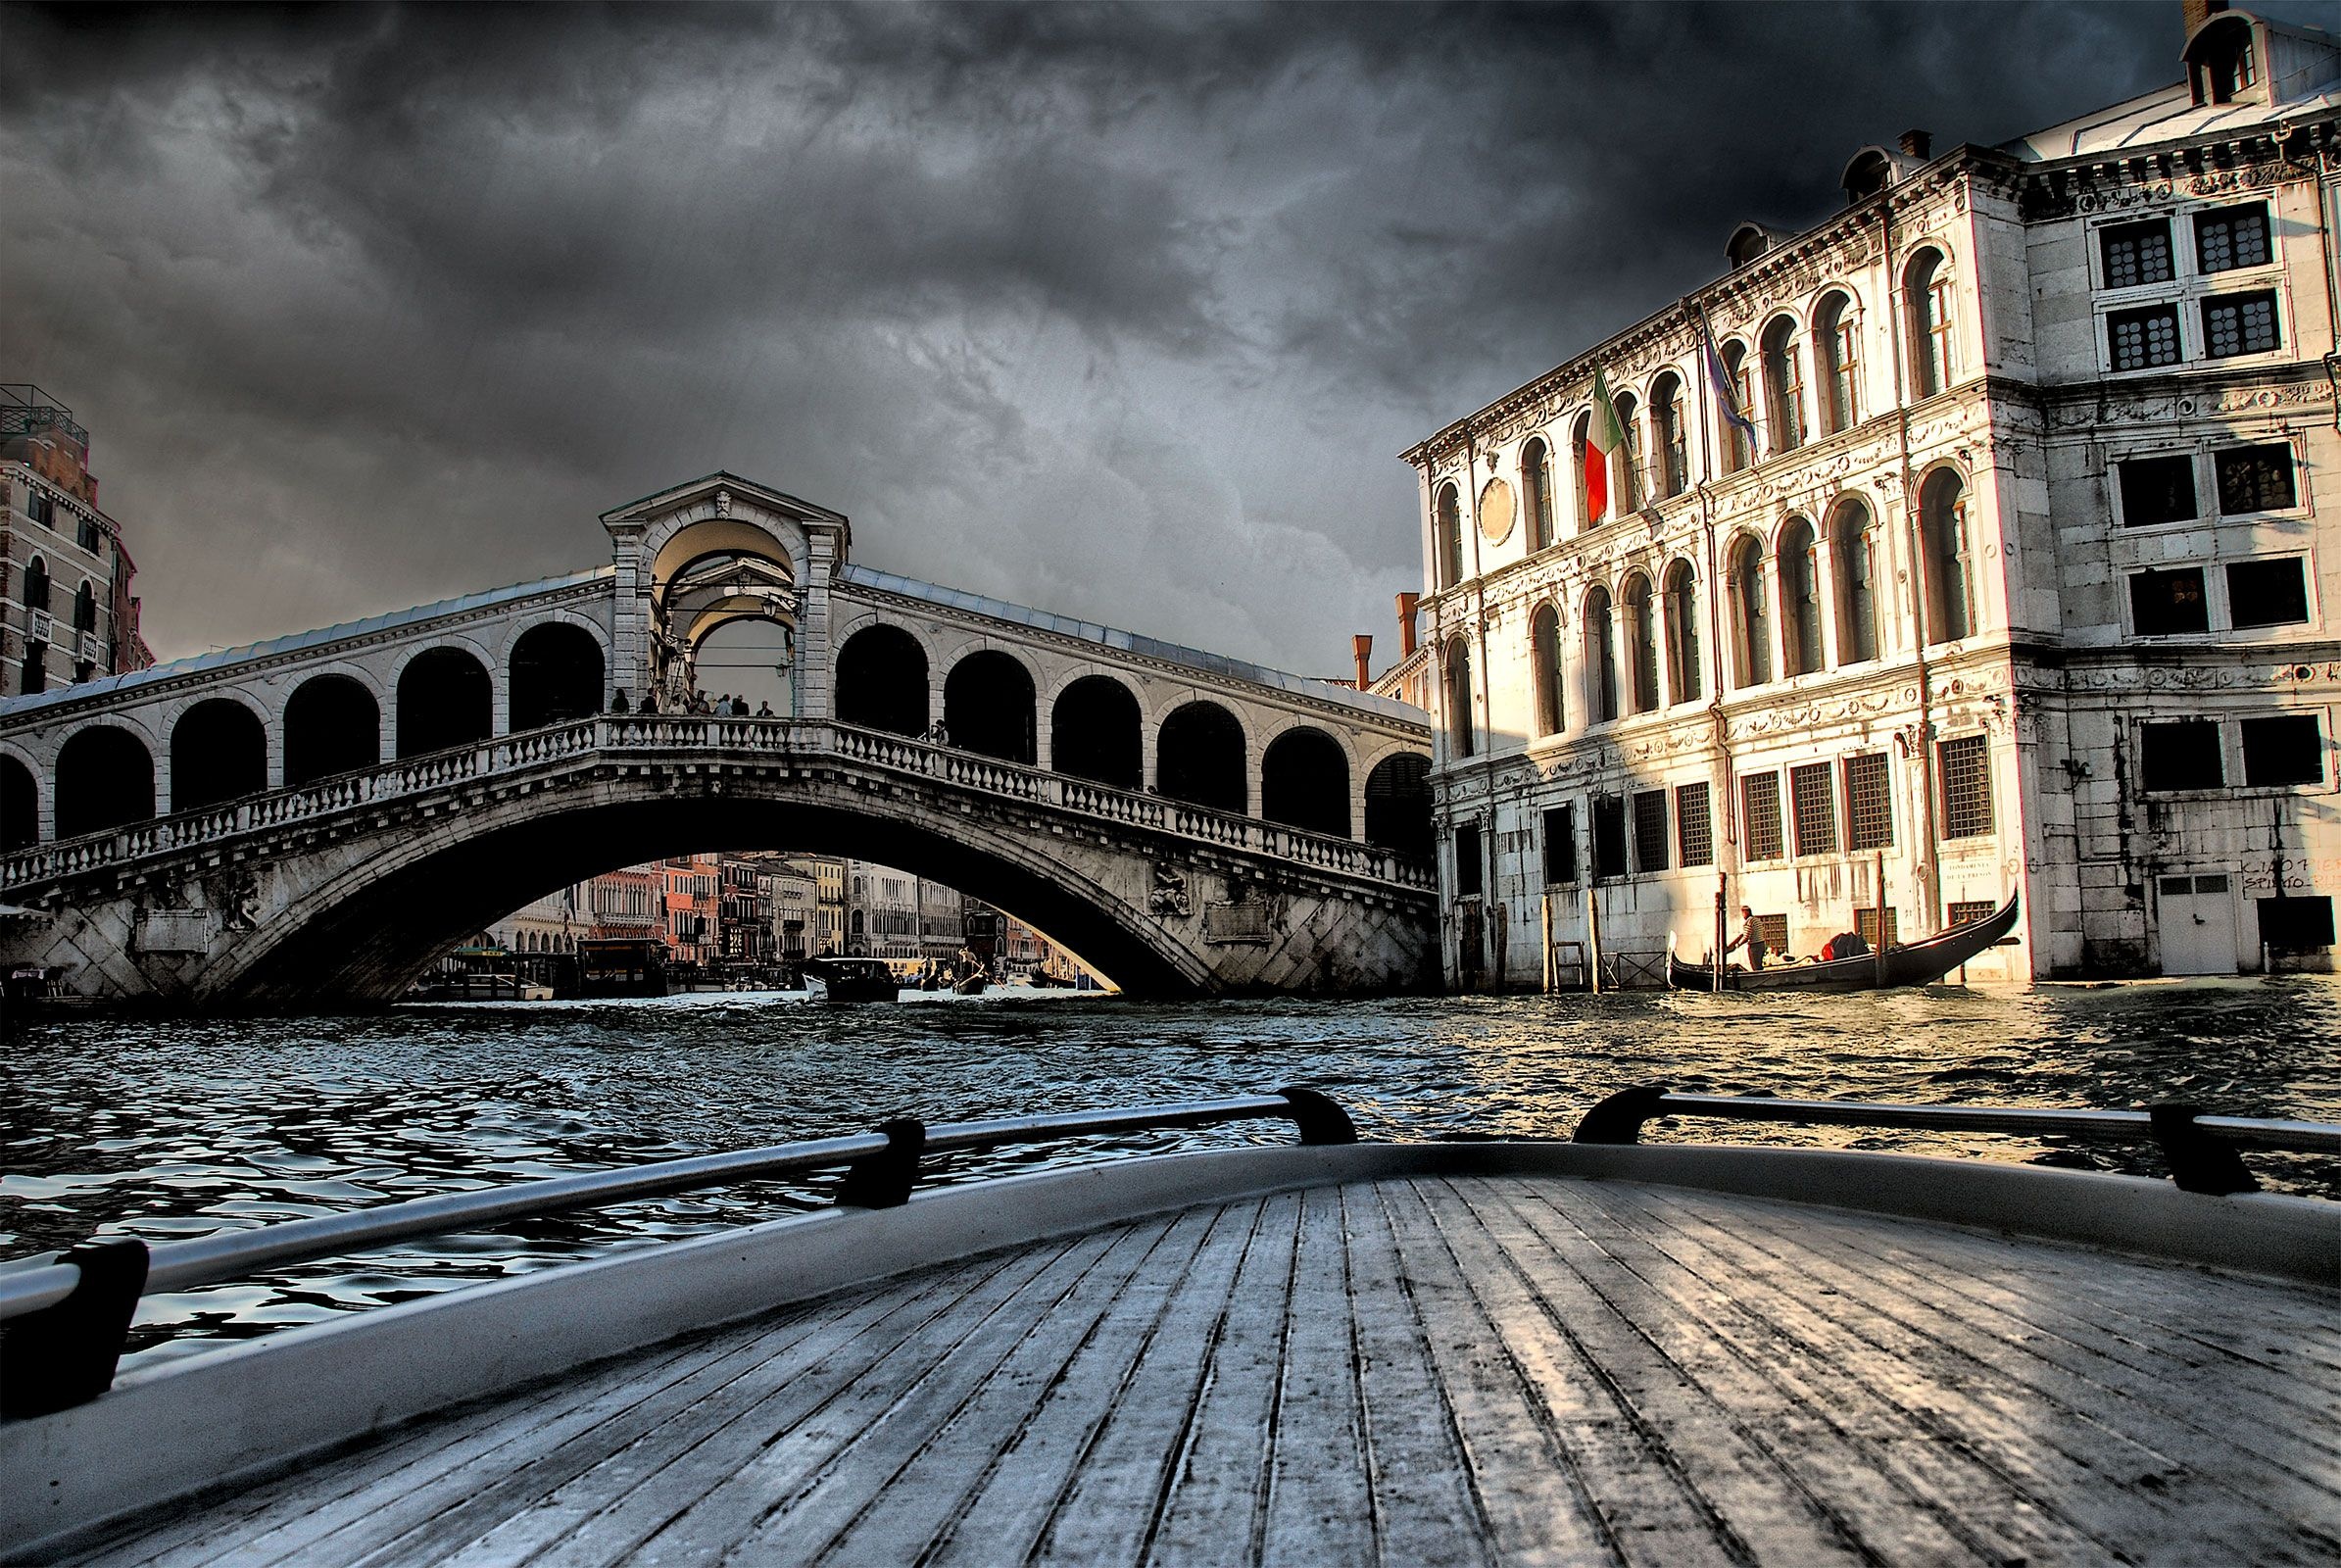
pixel 683 732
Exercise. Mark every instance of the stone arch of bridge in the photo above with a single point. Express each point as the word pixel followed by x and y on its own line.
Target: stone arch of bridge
pixel 556 667
pixel 446 697
pixel 380 920
pixel 991 705
pixel 884 678
pixel 219 752
pixel 332 724
pixel 19 801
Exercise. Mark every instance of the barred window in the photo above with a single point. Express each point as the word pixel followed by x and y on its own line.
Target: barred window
pixel 1560 843
pixel 1609 837
pixel 2267 593
pixel 2157 490
pixel 2182 755
pixel 1694 825
pixel 2143 339
pixel 2136 253
pixel 1651 830
pixel 1868 803
pixel 1816 808
pixel 1776 932
pixel 2231 237
pixel 2256 478
pixel 1866 922
pixel 1760 815
pixel 1966 911
pixel 1966 768
pixel 2240 324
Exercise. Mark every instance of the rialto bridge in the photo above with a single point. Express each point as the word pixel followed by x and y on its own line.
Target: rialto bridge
pixel 311 819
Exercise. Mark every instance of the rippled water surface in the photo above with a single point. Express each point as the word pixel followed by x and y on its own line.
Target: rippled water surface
pixel 171 1130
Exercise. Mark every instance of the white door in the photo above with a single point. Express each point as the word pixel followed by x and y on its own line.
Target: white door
pixel 2198 925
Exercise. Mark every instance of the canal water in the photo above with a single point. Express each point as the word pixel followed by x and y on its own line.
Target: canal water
pixel 178 1129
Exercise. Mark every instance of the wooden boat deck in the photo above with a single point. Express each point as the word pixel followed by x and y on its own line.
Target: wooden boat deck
pixel 1407 1371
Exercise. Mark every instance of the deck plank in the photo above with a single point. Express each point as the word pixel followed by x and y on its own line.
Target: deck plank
pixel 1320 1505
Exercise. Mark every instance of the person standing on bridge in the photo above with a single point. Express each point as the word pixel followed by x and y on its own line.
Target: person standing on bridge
pixel 620 704
pixel 739 707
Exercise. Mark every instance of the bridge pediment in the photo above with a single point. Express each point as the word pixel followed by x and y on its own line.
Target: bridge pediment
pixel 723 512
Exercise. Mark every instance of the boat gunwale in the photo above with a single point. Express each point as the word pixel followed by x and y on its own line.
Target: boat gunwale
pixel 257 1407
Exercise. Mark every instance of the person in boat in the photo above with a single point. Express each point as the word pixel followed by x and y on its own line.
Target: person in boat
pixel 1752 937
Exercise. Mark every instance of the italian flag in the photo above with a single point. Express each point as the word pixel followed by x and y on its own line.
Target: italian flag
pixel 1604 436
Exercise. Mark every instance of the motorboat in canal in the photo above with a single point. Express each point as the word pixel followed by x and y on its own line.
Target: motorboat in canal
pixel 1594 1348
pixel 852 980
pixel 1914 963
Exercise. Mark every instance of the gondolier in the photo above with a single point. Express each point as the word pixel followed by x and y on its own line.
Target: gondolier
pixel 1914 963
pixel 1752 937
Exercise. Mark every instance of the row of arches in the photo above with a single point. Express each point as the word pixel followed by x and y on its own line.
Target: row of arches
pixel 1097 732
pixel 218 749
pixel 1827 586
pixel 1792 379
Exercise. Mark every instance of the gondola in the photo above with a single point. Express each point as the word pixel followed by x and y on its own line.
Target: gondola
pixel 1916 963
pixel 852 980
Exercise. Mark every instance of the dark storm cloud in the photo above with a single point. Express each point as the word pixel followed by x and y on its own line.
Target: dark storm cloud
pixel 1121 312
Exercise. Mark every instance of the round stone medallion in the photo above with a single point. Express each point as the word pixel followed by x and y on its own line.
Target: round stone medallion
pixel 1495 512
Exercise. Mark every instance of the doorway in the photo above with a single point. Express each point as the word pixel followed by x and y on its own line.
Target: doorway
pixel 2197 924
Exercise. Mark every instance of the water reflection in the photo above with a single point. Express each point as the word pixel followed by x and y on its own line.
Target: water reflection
pixel 180 1129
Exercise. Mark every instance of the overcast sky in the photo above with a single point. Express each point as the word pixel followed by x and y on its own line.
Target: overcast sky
pixel 1122 312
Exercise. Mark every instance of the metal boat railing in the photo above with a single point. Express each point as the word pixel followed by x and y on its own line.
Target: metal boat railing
pixel 2201 1149
pixel 63 1317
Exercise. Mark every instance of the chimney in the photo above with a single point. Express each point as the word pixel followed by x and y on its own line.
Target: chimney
pixel 2192 13
pixel 1407 604
pixel 1361 647
pixel 1919 144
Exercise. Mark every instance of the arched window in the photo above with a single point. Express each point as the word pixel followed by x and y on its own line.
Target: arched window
pixel 1601 660
pixel 445 699
pixel 1398 804
pixel 105 778
pixel 1673 448
pixel 1682 632
pixel 882 682
pixel 332 724
pixel 219 752
pixel 1093 732
pixel 1739 450
pixel 1927 302
pixel 1836 349
pixel 1942 535
pixel 988 706
pixel 85 609
pixel 36 584
pixel 1450 536
pixel 1544 653
pixel 1641 633
pixel 1626 472
pixel 1460 729
pixel 1577 466
pixel 1751 616
pixel 1801 598
pixel 1199 758
pixel 1853 546
pixel 1536 490
pixel 1784 384
pixel 1304 783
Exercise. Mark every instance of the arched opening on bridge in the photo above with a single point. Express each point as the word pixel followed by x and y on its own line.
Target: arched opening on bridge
pixel 882 682
pixel 332 725
pixel 219 752
pixel 105 778
pixel 557 676
pixel 20 806
pixel 1304 783
pixel 1199 758
pixel 444 699
pixel 1398 804
pixel 748 657
pixel 988 706
pixel 1095 733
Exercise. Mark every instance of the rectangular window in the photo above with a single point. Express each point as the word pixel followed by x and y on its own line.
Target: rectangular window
pixel 1609 837
pixel 2255 478
pixel 2136 253
pixel 1966 911
pixel 2285 750
pixel 2183 755
pixel 2295 924
pixel 1868 803
pixel 1560 843
pixel 1760 815
pixel 40 508
pixel 2166 604
pixel 2240 324
pixel 1966 768
pixel 2157 490
pixel 2143 339
pixel 2231 237
pixel 1866 922
pixel 1816 808
pixel 1694 825
pixel 1650 830
pixel 2267 593
pixel 1468 871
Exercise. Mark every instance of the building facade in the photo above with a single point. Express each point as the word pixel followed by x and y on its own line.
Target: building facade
pixel 66 580
pixel 2010 582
